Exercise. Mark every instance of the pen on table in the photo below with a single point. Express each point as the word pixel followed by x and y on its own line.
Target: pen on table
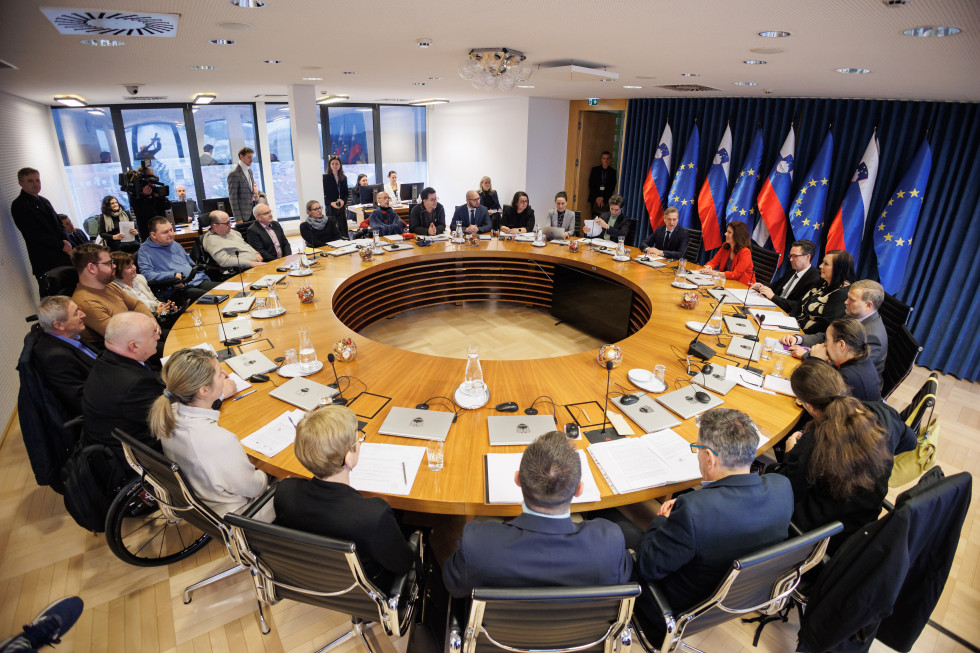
pixel 244 395
pixel 587 418
pixel 404 473
pixel 291 421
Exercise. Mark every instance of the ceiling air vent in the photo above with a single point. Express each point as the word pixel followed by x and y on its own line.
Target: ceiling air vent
pixel 687 88
pixel 145 98
pixel 107 22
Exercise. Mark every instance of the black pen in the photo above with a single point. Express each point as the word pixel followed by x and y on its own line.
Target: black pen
pixel 244 395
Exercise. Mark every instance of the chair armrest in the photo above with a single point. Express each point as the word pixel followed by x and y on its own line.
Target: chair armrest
pixel 454 624
pixel 407 580
pixel 263 499
pixel 661 602
pixel 794 530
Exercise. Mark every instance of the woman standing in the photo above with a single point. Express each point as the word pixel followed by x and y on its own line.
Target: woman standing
pixel 488 196
pixel 735 256
pixel 112 215
pixel 335 192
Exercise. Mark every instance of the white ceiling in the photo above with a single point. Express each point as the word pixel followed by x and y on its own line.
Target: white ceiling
pixel 647 42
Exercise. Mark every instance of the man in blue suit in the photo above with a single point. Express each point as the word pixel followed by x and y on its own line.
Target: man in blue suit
pixel 474 217
pixel 691 543
pixel 542 547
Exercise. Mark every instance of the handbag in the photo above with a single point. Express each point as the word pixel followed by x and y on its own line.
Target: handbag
pixel 909 465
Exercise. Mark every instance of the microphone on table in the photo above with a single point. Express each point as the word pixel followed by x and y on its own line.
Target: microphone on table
pixel 339 400
pixel 755 339
pixel 241 276
pixel 598 435
pixel 228 352
pixel 699 349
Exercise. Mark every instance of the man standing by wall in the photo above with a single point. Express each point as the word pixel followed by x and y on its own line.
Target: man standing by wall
pixel 602 184
pixel 47 243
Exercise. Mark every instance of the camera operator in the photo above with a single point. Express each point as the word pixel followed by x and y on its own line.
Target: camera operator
pixel 150 200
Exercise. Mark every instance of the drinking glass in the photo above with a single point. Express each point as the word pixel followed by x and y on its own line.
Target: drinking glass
pixel 660 373
pixel 766 351
pixel 291 357
pixel 197 318
pixel 434 454
pixel 778 365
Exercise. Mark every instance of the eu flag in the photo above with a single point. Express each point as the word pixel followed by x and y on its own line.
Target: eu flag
pixel 682 191
pixel 808 211
pixel 741 205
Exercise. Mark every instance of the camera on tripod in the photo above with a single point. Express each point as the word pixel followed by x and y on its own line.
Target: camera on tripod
pixel 133 182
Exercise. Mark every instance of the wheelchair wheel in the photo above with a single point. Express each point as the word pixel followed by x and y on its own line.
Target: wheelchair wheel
pixel 139 533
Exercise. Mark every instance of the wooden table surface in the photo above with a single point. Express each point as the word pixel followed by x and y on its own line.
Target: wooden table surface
pixel 410 378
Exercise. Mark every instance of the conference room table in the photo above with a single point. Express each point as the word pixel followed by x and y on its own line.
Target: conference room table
pixel 351 294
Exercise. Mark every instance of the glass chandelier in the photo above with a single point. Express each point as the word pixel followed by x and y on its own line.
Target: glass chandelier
pixel 489 68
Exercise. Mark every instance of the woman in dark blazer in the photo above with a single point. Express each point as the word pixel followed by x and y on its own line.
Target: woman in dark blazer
pixel 518 216
pixel 488 196
pixel 335 192
pixel 825 303
pixel 847 348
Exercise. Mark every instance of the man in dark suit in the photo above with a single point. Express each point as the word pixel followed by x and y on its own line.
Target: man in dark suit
pixel 75 236
pixel 428 217
pixel 265 235
pixel 474 217
pixel 614 223
pixel 691 543
pixel 542 547
pixel 47 243
pixel 122 386
pixel 802 277
pixel 242 190
pixel 667 240
pixel 602 184
pixel 64 359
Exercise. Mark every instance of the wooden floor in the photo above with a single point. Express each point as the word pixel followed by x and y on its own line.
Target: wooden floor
pixel 44 555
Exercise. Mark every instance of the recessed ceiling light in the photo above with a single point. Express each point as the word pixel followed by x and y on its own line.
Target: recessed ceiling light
pixel 607 79
pixel 690 74
pixel 103 43
pixel 272 61
pixel 854 71
pixel 525 86
pixel 350 72
pixel 745 83
pixel 420 83
pixel 423 103
pixel 221 42
pixel 775 34
pixel 755 62
pixel 71 100
pixel 204 98
pixel 312 79
pixel 930 31
pixel 424 43
pixel 248 4
pixel 434 78
pixel 331 99
pixel 202 67
pixel 632 86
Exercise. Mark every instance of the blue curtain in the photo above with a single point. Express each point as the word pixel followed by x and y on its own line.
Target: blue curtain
pixel 944 267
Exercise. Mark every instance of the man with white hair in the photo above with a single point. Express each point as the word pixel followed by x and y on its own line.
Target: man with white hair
pixel 63 358
pixel 265 235
pixel 222 242
pixel 122 385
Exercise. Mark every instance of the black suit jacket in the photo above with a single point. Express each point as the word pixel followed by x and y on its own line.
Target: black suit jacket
pixel 481 218
pixel 419 220
pixel 261 243
pixel 862 378
pixel 602 183
pixel 42 231
pixel 675 247
pixel 534 551
pixel 64 369
pixel 339 511
pixel 623 228
pixel 688 553
pixel 118 394
pixel 811 279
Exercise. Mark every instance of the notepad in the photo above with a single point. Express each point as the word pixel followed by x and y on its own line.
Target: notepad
pixel 500 487
pixel 274 436
pixel 633 464
pixel 752 298
pixel 386 468
pixel 775 320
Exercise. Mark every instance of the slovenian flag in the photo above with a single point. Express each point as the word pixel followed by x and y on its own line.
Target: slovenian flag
pixel 711 199
pixel 808 211
pixel 774 198
pixel 847 230
pixel 682 191
pixel 896 226
pixel 658 178
pixel 740 204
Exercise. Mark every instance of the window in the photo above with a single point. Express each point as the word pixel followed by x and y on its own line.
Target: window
pixel 403 143
pixel 159 137
pixel 281 157
pixel 222 130
pixel 352 139
pixel 88 150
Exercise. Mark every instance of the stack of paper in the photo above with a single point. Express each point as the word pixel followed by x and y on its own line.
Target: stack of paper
pixel 274 436
pixel 775 320
pixel 632 464
pixel 386 468
pixel 501 488
pixel 778 384
pixel 204 345
pixel 751 298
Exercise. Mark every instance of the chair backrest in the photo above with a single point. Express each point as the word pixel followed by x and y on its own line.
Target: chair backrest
pixel 903 350
pixel 172 491
pixel 61 280
pixel 311 569
pixel 894 310
pixel 549 619
pixel 924 402
pixel 91 225
pixel 693 245
pixel 764 263
pixel 761 582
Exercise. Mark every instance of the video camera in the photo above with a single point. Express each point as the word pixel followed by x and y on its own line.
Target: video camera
pixel 133 181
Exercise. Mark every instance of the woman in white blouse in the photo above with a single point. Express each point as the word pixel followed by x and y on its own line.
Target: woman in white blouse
pixel 134 284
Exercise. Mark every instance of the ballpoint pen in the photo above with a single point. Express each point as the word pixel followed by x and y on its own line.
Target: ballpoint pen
pixel 404 473
pixel 244 395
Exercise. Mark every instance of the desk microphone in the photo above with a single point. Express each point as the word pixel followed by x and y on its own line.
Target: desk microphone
pixel 228 352
pixel 241 275
pixel 699 349
pixel 339 400
pixel 755 339
pixel 599 435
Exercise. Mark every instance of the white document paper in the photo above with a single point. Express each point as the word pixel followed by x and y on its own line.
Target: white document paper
pixel 591 229
pixel 386 468
pixel 124 228
pixel 339 243
pixel 240 383
pixel 777 347
pixel 779 385
pixel 746 379
pixel 752 298
pixel 240 328
pixel 631 464
pixel 501 487
pixel 229 286
pixel 274 436
pixel 775 320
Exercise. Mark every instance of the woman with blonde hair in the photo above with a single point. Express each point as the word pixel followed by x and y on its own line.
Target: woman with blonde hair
pixel 185 421
pixel 488 196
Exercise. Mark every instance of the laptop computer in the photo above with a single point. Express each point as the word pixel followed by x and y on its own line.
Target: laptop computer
pixel 715 381
pixel 518 429
pixel 648 414
pixel 744 348
pixel 419 424
pixel 683 402
pixel 303 393
pixel 553 233
pixel 739 326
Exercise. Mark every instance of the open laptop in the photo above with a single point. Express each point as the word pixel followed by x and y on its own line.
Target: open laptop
pixel 518 429
pixel 648 414
pixel 416 423
pixel 553 233
pixel 683 403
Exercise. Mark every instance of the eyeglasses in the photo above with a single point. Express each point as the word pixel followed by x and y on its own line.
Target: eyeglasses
pixel 107 264
pixel 797 255
pixel 316 208
pixel 218 224
pixel 695 447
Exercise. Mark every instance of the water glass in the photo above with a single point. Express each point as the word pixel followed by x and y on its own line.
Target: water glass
pixel 434 455
pixel 766 351
pixel 720 279
pixel 778 365
pixel 259 304
pixel 197 317
pixel 714 324
pixel 291 357
pixel 660 374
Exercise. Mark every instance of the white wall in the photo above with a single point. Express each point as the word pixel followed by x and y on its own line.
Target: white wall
pixel 547 145
pixel 27 139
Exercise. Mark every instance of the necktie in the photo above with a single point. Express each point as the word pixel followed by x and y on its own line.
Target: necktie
pixel 471 217
pixel 251 182
pixel 788 288
pixel 666 239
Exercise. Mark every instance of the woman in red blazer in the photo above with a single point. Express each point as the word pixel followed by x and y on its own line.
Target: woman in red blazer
pixel 735 256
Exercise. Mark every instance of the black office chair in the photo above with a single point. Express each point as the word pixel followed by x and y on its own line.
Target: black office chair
pixel 59 281
pixel 693 245
pixel 761 582
pixel 894 310
pixel 903 350
pixel 322 571
pixel 764 261
pixel 545 619
pixel 206 262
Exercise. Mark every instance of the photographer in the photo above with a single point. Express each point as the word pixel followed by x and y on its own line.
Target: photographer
pixel 147 197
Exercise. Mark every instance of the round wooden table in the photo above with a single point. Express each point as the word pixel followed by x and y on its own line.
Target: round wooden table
pixel 351 294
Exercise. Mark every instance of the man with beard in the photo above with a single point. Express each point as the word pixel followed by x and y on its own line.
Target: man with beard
pixel 96 296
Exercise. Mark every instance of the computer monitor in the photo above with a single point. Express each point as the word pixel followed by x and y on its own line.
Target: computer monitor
pixel 410 192
pixel 217 204
pixel 369 193
pixel 181 210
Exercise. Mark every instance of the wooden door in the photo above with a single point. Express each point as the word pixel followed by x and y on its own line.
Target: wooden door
pixel 596 134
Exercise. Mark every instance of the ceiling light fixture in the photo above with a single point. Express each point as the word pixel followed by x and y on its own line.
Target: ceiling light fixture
pixel 424 103
pixel 350 72
pixel 690 74
pixel 525 86
pixel 205 67
pixel 631 86
pixel 489 68
pixel 432 79
pixel 71 100
pixel 221 42
pixel 272 61
pixel 420 83
pixel 854 71
pixel 204 98
pixel 103 43
pixel 745 83
pixel 312 79
pixel 332 99
pixel 248 4
pixel 775 34
pixel 930 31
pixel 755 62
pixel 424 43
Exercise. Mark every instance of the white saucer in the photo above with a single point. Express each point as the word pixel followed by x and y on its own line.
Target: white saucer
pixel 470 402
pixel 645 380
pixel 684 285
pixel 300 273
pixel 296 369
pixel 535 244
pixel 696 326
pixel 621 258
pixel 265 313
